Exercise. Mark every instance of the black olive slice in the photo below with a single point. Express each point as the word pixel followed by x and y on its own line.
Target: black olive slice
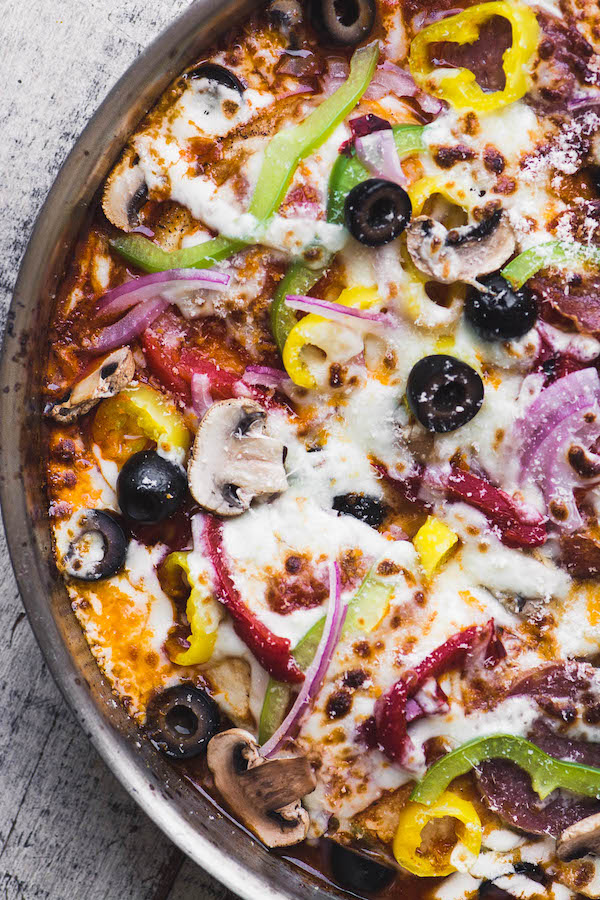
pixel 357 872
pixel 377 211
pixel 345 22
pixel 98 549
pixel 499 313
pixel 150 488
pixel 362 506
pixel 444 393
pixel 218 74
pixel 285 15
pixel 181 720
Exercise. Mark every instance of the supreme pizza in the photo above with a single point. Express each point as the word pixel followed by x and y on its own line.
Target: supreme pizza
pixel 323 418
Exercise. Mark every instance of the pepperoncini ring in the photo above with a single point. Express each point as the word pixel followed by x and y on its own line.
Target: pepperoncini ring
pixel 154 414
pixel 409 835
pixel 315 337
pixel 434 542
pixel 202 611
pixel 420 192
pixel 460 87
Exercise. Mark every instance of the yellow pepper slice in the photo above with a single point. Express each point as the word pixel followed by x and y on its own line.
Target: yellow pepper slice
pixel 434 542
pixel 202 611
pixel 151 413
pixel 321 337
pixel 413 819
pixel 426 187
pixel 459 87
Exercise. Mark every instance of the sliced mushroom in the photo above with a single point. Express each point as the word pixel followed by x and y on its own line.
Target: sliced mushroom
pixel 125 192
pixel 107 378
pixel 461 254
pixel 580 839
pixel 233 460
pixel 264 794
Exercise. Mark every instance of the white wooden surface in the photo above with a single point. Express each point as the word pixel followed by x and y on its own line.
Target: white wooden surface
pixel 68 830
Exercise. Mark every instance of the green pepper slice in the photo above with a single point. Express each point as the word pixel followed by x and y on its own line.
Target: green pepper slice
pixel 282 156
pixel 348 171
pixel 547 774
pixel 553 253
pixel 299 279
pixel 364 611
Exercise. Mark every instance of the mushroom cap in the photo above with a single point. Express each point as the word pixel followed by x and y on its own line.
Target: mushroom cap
pixel 108 376
pixel 266 802
pixel 461 254
pixel 125 192
pixel 579 839
pixel 233 460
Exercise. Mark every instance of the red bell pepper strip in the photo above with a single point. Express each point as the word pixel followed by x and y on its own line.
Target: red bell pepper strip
pixel 272 652
pixel 516 527
pixel 390 709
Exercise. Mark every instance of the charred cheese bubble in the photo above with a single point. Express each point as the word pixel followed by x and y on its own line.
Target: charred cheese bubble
pixel 434 542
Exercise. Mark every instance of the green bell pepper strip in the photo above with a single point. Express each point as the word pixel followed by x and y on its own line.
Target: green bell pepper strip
pixel 348 171
pixel 282 156
pixel 553 253
pixel 547 774
pixel 299 279
pixel 364 611
pixel 141 252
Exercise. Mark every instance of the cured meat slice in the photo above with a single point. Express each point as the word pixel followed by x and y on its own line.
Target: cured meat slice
pixel 564 691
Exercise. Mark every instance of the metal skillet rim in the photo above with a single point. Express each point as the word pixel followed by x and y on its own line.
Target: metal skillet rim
pixel 257 874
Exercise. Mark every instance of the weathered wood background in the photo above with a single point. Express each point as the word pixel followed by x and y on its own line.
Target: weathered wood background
pixel 67 829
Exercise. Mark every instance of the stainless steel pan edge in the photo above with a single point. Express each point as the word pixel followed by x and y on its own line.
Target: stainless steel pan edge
pixel 189 819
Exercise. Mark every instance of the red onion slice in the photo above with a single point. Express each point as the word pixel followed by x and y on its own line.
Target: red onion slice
pixel 378 154
pixel 172 284
pixel 550 468
pixel 265 376
pixel 201 396
pixel 561 399
pixel 334 621
pixel 336 311
pixel 132 324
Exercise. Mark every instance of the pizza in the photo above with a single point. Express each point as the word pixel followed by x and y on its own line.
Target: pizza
pixel 323 439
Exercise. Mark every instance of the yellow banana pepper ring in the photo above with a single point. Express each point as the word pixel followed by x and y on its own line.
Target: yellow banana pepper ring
pixel 409 834
pixel 460 87
pixel 324 338
pixel 426 187
pixel 434 542
pixel 202 612
pixel 151 413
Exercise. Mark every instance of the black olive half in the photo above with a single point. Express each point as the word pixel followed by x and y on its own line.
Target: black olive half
pixel 150 488
pixel 362 506
pixel 98 549
pixel 343 21
pixel 500 313
pixel 358 873
pixel 377 211
pixel 181 720
pixel 218 74
pixel 444 393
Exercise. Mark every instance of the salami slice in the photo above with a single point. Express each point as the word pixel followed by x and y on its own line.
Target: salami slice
pixel 564 692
